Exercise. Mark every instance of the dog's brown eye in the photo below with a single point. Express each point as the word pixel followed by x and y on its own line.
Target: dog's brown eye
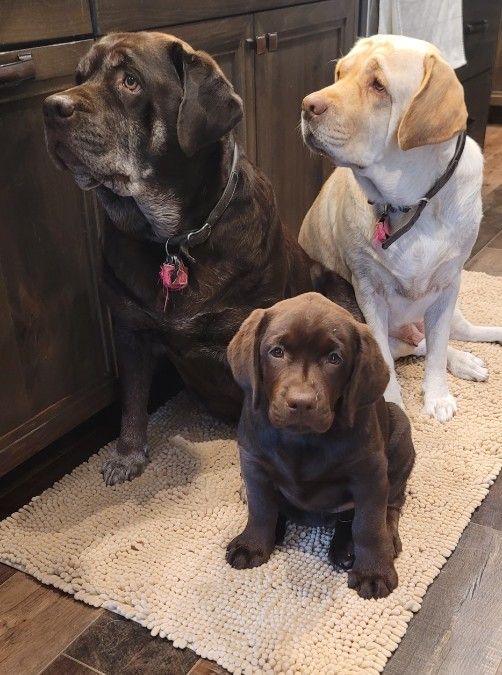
pixel 334 358
pixel 277 352
pixel 378 86
pixel 130 82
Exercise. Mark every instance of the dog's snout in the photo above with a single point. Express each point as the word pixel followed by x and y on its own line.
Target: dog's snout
pixel 315 103
pixel 300 400
pixel 59 107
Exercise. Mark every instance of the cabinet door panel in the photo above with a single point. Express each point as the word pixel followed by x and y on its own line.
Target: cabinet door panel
pixel 54 348
pixel 225 40
pixel 310 39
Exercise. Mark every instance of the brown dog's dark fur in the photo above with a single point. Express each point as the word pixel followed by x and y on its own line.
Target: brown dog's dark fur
pixel 149 125
pixel 317 439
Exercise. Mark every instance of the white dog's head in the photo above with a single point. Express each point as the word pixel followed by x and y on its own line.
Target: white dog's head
pixel 390 91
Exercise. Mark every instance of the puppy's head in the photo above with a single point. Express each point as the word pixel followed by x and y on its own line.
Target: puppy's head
pixel 389 91
pixel 142 100
pixel 308 362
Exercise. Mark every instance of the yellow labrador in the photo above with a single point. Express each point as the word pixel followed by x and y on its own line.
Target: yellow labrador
pixel 394 124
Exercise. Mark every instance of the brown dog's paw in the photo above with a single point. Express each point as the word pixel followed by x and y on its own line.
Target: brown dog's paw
pixel 242 554
pixel 373 584
pixel 119 468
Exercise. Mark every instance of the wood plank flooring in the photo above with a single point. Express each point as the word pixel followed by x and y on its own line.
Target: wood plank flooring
pixel 458 631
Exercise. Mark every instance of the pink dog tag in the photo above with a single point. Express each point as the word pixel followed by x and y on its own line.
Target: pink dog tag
pixel 382 230
pixel 174 276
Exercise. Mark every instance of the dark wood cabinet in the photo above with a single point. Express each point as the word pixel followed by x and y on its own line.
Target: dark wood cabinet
pixel 55 357
pixel 481 25
pixel 56 352
pixel 303 45
pixel 141 14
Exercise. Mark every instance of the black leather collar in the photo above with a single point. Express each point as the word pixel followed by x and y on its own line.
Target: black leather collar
pixel 441 182
pixel 182 242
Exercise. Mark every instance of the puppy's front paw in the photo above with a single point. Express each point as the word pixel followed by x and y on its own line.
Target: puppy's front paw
pixel 377 583
pixel 119 468
pixel 245 552
pixel 467 366
pixel 443 408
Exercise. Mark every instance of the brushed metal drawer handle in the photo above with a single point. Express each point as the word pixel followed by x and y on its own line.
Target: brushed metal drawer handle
pixel 15 72
pixel 258 43
pixel 272 41
pixel 476 27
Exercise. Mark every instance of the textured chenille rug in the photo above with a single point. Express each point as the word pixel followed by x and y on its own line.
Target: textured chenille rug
pixel 153 550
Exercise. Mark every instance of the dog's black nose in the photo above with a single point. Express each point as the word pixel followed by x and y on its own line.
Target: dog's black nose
pixel 300 400
pixel 59 107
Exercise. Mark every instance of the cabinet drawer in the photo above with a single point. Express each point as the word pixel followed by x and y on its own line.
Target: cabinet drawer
pixel 477 98
pixel 481 25
pixel 28 21
pixel 139 14
pixel 49 68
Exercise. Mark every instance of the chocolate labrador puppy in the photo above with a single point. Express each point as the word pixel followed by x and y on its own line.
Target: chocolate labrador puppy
pixel 149 127
pixel 318 443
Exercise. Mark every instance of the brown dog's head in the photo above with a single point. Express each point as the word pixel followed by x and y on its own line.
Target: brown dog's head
pixel 143 104
pixel 309 362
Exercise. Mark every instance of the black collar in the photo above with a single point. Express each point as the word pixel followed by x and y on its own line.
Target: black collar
pixel 441 182
pixel 185 240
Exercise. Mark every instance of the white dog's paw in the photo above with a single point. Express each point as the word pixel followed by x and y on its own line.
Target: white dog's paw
pixel 466 366
pixel 393 395
pixel 443 408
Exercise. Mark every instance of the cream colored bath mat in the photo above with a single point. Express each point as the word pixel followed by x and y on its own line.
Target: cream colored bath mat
pixel 153 550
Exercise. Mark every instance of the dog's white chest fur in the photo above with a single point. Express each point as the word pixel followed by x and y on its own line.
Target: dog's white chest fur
pixel 414 270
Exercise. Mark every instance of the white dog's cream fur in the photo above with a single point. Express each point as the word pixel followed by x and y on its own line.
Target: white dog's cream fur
pixel 390 123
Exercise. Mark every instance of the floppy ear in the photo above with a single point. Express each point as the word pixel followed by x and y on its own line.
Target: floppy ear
pixel 369 377
pixel 210 107
pixel 437 112
pixel 243 354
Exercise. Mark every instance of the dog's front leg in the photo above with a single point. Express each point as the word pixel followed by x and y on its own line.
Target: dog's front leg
pixel 376 314
pixel 254 545
pixel 438 402
pixel 373 574
pixel 135 362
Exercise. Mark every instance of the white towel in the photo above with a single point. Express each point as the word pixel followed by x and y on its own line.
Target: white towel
pixel 437 21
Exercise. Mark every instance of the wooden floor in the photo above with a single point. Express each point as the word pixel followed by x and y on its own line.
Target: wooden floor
pixel 458 631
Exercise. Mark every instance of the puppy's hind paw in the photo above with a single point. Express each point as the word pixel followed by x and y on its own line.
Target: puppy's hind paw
pixel 443 408
pixel 341 553
pixel 119 468
pixel 467 366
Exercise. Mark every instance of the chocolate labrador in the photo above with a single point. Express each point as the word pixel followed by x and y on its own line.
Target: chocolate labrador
pixel 149 126
pixel 318 443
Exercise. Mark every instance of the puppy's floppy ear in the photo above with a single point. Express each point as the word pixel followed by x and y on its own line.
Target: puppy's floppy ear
pixel 369 377
pixel 210 107
pixel 437 112
pixel 243 353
